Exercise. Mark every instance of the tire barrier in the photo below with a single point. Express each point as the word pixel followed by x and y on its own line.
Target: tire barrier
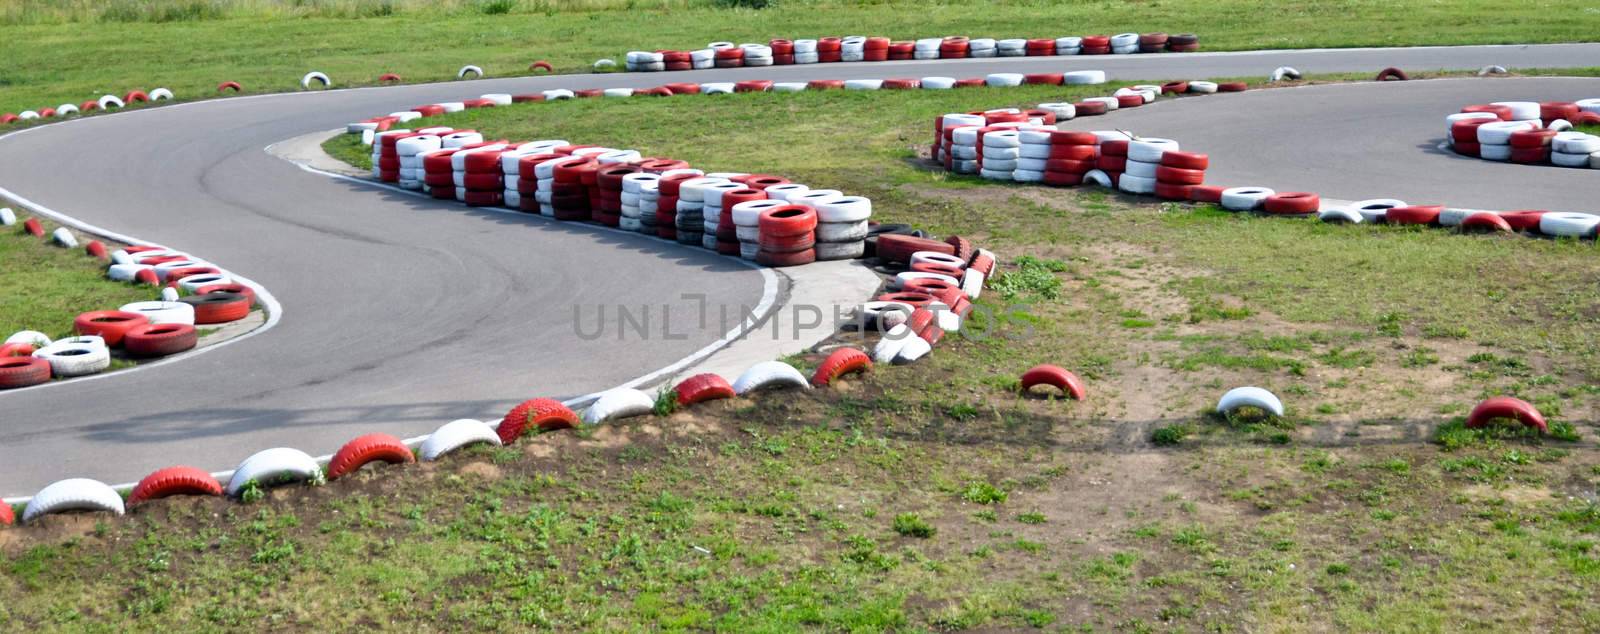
pixel 1506 407
pixel 171 481
pixel 270 467
pixel 623 402
pixel 840 363
pixel 769 375
pixel 73 494
pixel 469 68
pixel 1068 383
pixel 1249 397
pixel 365 449
pixel 1391 73
pixel 1527 132
pixel 784 52
pixel 701 388
pixel 542 413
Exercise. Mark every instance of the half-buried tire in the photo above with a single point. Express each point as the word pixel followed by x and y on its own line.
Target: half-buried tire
pixel 174 481
pixel 1055 376
pixel 703 387
pixel 839 363
pixel 542 413
pixel 364 449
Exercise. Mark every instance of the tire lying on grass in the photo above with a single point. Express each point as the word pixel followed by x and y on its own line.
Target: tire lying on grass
pixel 541 413
pixel 270 467
pixel 1506 407
pixel 618 403
pixel 74 494
pixel 457 434
pixel 769 375
pixel 1058 377
pixel 839 363
pixel 365 449
pixel 1249 397
pixel 174 481
pixel 69 359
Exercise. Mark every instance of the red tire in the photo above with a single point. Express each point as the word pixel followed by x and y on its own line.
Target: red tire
pixel 136 95
pixel 1054 376
pixel 230 84
pixel 1391 73
pixel 111 325
pixel 16 350
pixel 388 77
pixel 33 227
pixel 1179 175
pixel 787 244
pixel 247 292
pixel 752 85
pixel 1413 215
pixel 172 481
pixel 901 84
pixel 1069 137
pixel 543 413
pixel 1046 79
pixel 1118 148
pixel 936 268
pixel 1485 221
pixel 963 246
pixel 540 65
pixel 1185 160
pixel 1506 407
pixel 894 247
pixel 364 449
pixel 7 516
pixel 787 220
pixel 1130 101
pixel 839 363
pixel 1292 203
pixel 159 340
pixel 1525 220
pixel 218 307
pixel 1089 108
pixel 1170 191
pixel 931 333
pixel 147 276
pixel 1466 130
pixel 701 388
pixel 971 82
pixel 983 263
pixel 1232 86
pixel 1552 110
pixel 1530 139
pixel 1064 179
pixel 1174 88
pixel 176 275
pixel 23 372
pixel 1108 163
pixel 825 84
pixel 96 249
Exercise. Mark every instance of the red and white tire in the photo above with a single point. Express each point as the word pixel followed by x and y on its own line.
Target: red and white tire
pixel 365 449
pixel 171 481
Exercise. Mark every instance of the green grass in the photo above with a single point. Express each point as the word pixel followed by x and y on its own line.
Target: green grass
pixel 46 286
pixel 192 45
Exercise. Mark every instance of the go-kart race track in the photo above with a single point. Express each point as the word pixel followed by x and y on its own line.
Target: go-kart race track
pixel 399 313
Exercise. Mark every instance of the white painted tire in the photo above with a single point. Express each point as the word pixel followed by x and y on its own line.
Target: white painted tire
pixel 889 346
pixel 1097 177
pixel 901 278
pixel 1341 214
pixel 863 84
pixel 69 359
pixel 1494 151
pixel 1245 198
pixel 972 283
pixel 28 115
pixel 622 402
pixel 63 236
pixel 160 94
pixel 1558 125
pixel 31 337
pixel 305 81
pixel 882 316
pixel 1450 119
pixel 1499 132
pixel 1452 217
pixel 717 88
pixel 74 494
pixel 93 341
pixel 1003 79
pixel 270 467
pixel 163 312
pixel 170 294
pixel 935 257
pixel 769 375
pixel 1083 77
pixel 193 283
pixel 66 109
pixel 1282 73
pixel 617 92
pixel 469 68
pixel 1572 225
pixel 126 272
pixel 454 435
pixel 914 349
pixel 1150 150
pixel 1376 209
pixel 789 86
pixel 1062 110
pixel 1136 184
pixel 1005 139
pixel 1202 87
pixel 1249 397
pixel 110 101
pixel 7 217
pixel 938 83
pixel 1563 159
pixel 1575 143
pixel 1141 169
pixel 557 94
pixel 1520 110
pixel 1124 39
pixel 1109 102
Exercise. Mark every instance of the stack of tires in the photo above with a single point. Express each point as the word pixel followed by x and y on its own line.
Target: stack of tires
pixel 1144 158
pixel 963 148
pixel 1096 44
pixel 1463 128
pixel 1494 138
pixel 757 54
pixel 438 178
pixel 782 52
pixel 385 158
pixel 746 217
pixel 409 150
pixel 787 236
pixel 1113 159
pixel 691 208
pixel 1040 47
pixel 645 61
pixel 828 50
pixel 1124 43
pixel 1531 146
pixel 540 168
pixel 517 169
pixel 569 199
pixel 841 226
pixel 1183 43
pixel 1071 155
pixel 1179 173
pixel 633 201
pixel 479 181
pixel 954 47
pixel 702 59
pixel 728 55
pixel 671 186
pixel 853 49
pixel 1153 42
pixel 676 60
pixel 875 49
pixel 726 236
pixel 1069 45
pixel 1575 149
pixel 1000 149
pixel 944 127
pixel 1033 155
pixel 806 52
pixel 713 220
pixel 609 179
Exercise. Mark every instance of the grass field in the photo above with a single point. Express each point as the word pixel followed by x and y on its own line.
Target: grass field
pixel 190 46
pixel 46 286
pixel 933 497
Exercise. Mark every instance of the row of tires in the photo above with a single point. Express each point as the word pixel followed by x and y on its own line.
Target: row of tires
pixel 193 293
pixel 857 48
pixel 1527 132
pixel 1482 415
pixel 105 102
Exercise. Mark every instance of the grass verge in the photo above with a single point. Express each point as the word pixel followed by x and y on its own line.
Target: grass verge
pixel 47 286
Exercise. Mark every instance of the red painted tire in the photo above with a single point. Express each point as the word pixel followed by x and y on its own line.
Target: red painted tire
pixel 1046 79
pixel 931 333
pixel 1090 108
pixel 247 292
pixel 33 227
pixel 7 516
pixel 1130 101
pixel 541 65
pixel 546 414
pixel 1292 203
pixel 935 287
pixel 1174 88
pixel 839 363
pixel 1232 86
pixel 683 88
pixel 1110 163
pixel 230 84
pixel 972 82
pixel 701 388
pixel 10 118
pixel 1065 179
pixel 136 95
pixel 1171 191
pixel 147 276
pixel 387 77
pixel 1552 110
pixel 159 340
pixel 901 84
pixel 914 299
pixel 894 247
pixel 963 246
pixel 364 449
pixel 797 258
pixel 1391 73
pixel 1504 112
pixel 1179 175
pixel 1524 220
pixel 787 220
pixel 172 481
pixel 1506 407
pixel 16 350
pixel 1466 130
pixel 1413 215
pixel 752 85
pixel 111 325
pixel 1185 160
pixel 825 84
pixel 1484 221
pixel 1055 376
pixel 176 275
pixel 218 307
pixel 23 372
pixel 96 249
pixel 1530 139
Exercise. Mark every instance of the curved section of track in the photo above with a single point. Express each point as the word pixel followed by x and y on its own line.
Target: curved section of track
pixel 400 312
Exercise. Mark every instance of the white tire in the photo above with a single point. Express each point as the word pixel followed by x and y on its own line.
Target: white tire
pixel 1140 169
pixel 1136 184
pixel 1575 143
pixel 1494 151
pixel 1003 79
pixel 193 283
pixel 74 494
pixel 901 278
pixel 1520 109
pixel 1124 39
pixel 618 92
pixel 1110 102
pixel 8 217
pixel 717 88
pixel 1564 159
pixel 1083 77
pixel 622 402
pixel 1002 139
pixel 1499 132
pixel 469 68
pixel 93 341
pixel 305 82
pixel 454 435
pixel 1062 110
pixel 1245 198
pixel 1027 176
pixel 66 109
pixel 557 94
pixel 1375 209
pixel 938 83
pixel 1589 105
pixel 110 101
pixel 882 316
pixel 270 467
pixel 786 191
pixel 789 86
pixel 769 375
pixel 805 46
pixel 1249 397
pixel 889 346
pixel 1559 125
pixel 63 236
pixel 1150 150
pixel 935 257
pixel 410 147
pixel 1097 177
pixel 863 84
pixel 28 115
pixel 1029 162
pixel 841 232
pixel 1202 87
pixel 1069 42
pixel 126 272
pixel 972 283
pixel 160 94
pixel 1034 151
pixel 1340 214
pixel 1452 217
pixel 163 312
pixel 169 294
pixel 631 183
pixel 1450 119
pixel 31 337
pixel 1282 73
pixel 914 349
pixel 812 197
pixel 1573 225
pixel 70 359
pixel 995 175
pixel 748 213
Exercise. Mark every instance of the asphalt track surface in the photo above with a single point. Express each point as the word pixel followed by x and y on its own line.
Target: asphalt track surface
pixel 400 313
